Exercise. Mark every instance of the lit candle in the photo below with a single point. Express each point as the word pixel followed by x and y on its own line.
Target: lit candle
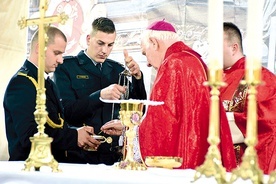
pixel 254 38
pixel 215 34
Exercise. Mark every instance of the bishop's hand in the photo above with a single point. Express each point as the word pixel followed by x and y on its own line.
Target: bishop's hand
pixel 132 66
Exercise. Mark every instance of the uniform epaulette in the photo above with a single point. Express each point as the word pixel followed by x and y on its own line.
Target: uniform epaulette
pixel 112 61
pixel 23 71
pixel 69 57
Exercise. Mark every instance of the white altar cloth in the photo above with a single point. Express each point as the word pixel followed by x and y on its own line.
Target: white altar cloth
pixel 11 173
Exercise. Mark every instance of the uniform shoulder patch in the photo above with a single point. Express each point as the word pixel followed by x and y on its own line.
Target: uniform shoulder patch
pixel 69 57
pixel 115 62
pixel 23 71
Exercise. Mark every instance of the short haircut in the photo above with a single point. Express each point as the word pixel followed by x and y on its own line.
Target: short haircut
pixel 233 32
pixel 52 32
pixel 103 24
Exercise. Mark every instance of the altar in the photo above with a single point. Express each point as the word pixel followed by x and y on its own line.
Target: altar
pixel 11 172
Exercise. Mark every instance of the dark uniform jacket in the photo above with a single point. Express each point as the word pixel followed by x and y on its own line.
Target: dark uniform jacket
pixel 19 106
pixel 80 83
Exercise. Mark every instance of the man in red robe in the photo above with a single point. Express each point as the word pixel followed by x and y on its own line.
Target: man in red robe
pixel 179 127
pixel 234 97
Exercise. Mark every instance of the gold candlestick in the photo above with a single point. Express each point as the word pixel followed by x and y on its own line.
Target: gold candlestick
pixel 130 115
pixel 40 153
pixel 272 178
pixel 249 168
pixel 212 165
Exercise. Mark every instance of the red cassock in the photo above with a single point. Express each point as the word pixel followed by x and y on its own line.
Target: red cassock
pixel 266 111
pixel 180 127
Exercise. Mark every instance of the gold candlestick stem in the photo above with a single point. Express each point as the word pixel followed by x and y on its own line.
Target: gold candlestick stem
pixel 212 165
pixel 249 168
pixel 40 154
pixel 272 178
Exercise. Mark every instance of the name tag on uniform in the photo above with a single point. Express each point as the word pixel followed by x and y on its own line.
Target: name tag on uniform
pixel 82 77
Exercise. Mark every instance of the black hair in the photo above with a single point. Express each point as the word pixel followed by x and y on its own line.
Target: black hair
pixel 233 32
pixel 103 24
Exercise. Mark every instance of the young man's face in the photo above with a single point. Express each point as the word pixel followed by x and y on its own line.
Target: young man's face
pixel 53 56
pixel 100 45
pixel 227 51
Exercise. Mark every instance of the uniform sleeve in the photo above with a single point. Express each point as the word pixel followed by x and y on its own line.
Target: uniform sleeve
pixel 64 138
pixel 20 102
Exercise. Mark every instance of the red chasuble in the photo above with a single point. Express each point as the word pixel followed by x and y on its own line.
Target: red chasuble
pixel 266 111
pixel 180 126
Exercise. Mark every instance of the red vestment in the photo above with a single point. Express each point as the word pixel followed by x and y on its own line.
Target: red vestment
pixel 180 126
pixel 266 111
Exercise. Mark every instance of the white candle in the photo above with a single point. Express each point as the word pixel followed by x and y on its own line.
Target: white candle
pixel 272 45
pixel 215 34
pixel 254 36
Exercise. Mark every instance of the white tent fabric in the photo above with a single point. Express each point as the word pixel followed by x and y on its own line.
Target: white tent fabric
pixel 12 51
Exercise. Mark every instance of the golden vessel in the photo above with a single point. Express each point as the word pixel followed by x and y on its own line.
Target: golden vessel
pixel 130 114
pixel 163 162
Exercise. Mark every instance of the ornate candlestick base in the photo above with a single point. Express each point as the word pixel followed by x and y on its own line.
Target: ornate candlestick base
pixel 41 155
pixel 212 166
pixel 272 177
pixel 249 168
